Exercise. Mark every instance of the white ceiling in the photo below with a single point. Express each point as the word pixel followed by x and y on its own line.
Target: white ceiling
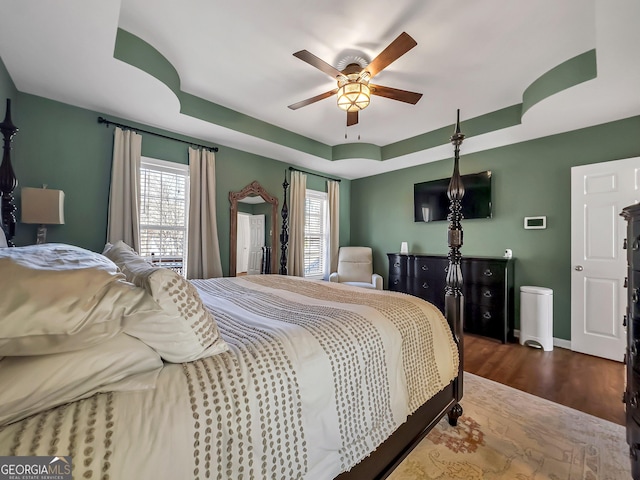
pixel 479 56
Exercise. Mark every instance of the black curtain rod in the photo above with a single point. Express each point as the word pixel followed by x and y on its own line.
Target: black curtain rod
pixel 316 174
pixel 109 122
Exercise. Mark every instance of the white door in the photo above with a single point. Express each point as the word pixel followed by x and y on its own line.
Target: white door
pixel 242 243
pixel 599 192
pixel 256 235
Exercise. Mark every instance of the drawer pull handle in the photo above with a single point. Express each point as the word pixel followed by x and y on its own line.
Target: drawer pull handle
pixel 396 281
pixel 634 296
pixel 624 321
pixel 486 315
pixel 424 268
pixel 397 264
pixel 624 244
pixel 626 282
pixel 424 285
pixel 488 294
pixel 635 245
pixel 633 401
pixel 634 348
pixel 488 273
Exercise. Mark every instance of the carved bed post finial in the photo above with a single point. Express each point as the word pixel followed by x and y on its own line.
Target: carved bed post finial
pixel 8 180
pixel 455 236
pixel 284 235
pixel 454 301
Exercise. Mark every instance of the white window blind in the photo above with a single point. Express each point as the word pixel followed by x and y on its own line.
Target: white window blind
pixel 316 235
pixel 164 203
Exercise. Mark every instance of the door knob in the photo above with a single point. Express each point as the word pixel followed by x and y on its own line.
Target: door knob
pixel 579 268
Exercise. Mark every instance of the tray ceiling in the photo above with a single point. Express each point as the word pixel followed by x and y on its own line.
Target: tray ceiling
pixel 235 73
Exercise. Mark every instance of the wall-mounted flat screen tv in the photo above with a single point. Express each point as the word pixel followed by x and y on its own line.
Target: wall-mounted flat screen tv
pixel 431 203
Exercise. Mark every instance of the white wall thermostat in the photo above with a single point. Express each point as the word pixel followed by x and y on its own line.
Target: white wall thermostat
pixel 535 223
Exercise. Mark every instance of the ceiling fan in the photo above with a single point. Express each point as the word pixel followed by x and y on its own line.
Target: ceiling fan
pixel 354 90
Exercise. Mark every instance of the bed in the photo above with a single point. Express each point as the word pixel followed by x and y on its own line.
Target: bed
pixel 135 372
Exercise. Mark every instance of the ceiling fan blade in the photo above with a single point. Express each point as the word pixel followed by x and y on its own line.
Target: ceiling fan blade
pixel 320 64
pixel 395 94
pixel 352 118
pixel 395 50
pixel 311 100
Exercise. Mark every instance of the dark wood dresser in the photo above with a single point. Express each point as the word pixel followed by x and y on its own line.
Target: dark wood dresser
pixel 631 394
pixel 488 288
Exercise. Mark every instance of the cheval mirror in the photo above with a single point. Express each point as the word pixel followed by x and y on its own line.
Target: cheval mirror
pixel 254 221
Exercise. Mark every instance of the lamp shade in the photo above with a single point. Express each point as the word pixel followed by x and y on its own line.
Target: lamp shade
pixel 43 206
pixel 354 96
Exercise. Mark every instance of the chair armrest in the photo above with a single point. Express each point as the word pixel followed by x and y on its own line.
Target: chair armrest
pixel 377 281
pixel 334 277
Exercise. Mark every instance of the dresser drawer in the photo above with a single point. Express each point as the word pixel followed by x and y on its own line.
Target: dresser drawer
pixel 484 320
pixel 484 272
pixel 633 329
pixel 427 289
pixel 428 267
pixel 397 283
pixel 633 293
pixel 487 295
pixel 632 395
pixel 397 264
pixel 633 357
pixel 633 243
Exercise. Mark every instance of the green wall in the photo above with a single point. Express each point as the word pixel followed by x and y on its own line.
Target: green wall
pixel 64 147
pixel 529 179
pixel 7 89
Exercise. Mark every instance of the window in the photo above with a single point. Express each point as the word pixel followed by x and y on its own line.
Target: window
pixel 316 235
pixel 164 194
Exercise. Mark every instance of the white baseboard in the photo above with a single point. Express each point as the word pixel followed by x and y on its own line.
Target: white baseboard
pixel 557 342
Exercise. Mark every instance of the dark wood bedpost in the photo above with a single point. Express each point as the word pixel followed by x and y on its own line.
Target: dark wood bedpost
pixel 284 235
pixel 8 180
pixel 454 301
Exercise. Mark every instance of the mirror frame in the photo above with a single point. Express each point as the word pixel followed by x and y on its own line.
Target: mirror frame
pixel 254 188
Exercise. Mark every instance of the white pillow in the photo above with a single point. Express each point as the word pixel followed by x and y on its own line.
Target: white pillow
pixel 187 330
pixel 57 298
pixel 34 384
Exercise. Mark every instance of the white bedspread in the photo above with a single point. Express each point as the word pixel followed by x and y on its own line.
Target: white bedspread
pixel 318 374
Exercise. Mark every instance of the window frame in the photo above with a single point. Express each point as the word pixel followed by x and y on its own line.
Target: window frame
pixel 172 168
pixel 323 197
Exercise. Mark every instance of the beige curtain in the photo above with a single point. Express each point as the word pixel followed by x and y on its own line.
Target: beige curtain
pixel 296 224
pixel 203 252
pixel 124 194
pixel 333 194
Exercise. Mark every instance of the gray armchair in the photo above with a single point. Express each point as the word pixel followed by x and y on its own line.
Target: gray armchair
pixel 355 267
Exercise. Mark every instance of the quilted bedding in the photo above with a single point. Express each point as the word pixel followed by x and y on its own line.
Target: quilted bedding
pixel 317 375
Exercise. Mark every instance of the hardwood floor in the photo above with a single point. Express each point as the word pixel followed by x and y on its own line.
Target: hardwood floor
pixel 590 384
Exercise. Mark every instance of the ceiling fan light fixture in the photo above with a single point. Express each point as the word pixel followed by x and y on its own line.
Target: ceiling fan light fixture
pixel 354 96
pixel 353 75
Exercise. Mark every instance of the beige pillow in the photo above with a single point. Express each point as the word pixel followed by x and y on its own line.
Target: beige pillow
pixel 34 384
pixel 58 298
pixel 187 330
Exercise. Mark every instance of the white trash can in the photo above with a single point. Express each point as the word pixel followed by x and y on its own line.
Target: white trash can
pixel 536 317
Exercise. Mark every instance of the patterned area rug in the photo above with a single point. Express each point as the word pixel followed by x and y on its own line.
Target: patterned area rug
pixel 508 434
